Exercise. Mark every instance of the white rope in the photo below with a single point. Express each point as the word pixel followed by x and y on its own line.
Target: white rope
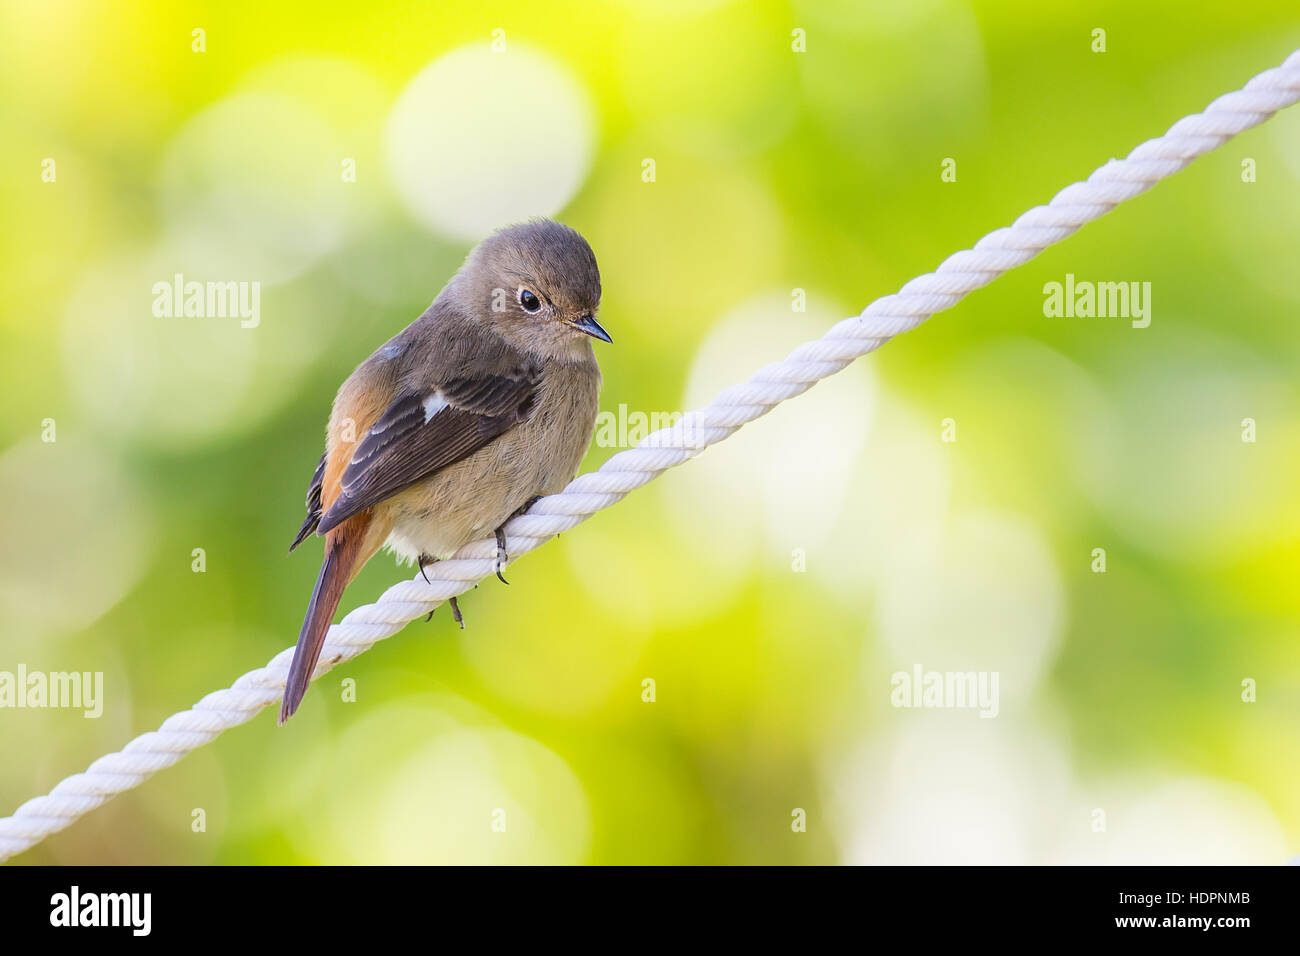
pixel 925 295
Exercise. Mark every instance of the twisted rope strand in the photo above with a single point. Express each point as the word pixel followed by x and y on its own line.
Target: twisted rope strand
pixel 958 275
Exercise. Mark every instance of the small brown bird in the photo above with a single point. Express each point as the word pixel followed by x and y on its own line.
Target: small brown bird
pixel 485 402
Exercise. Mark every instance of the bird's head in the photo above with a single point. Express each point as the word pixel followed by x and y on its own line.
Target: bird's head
pixel 538 287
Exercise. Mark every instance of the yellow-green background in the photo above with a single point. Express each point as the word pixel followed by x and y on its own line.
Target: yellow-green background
pixel 776 170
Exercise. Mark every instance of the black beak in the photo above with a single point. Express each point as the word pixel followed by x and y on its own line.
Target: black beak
pixel 589 325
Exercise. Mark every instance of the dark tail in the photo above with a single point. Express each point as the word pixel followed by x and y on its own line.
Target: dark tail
pixel 338 568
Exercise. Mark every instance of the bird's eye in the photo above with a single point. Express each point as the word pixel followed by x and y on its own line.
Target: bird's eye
pixel 529 301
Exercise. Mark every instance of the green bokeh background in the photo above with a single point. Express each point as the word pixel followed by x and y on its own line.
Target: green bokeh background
pixel 775 170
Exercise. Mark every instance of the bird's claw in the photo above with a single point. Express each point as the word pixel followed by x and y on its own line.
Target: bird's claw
pixel 424 560
pixel 502 557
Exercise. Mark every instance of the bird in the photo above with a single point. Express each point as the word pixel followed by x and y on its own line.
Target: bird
pixel 459 422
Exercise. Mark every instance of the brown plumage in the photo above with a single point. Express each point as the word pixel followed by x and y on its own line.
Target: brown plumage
pixel 484 402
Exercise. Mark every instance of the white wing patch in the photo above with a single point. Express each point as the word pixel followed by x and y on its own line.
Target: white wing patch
pixel 433 405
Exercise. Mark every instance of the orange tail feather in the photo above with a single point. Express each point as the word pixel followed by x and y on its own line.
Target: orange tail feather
pixel 343 558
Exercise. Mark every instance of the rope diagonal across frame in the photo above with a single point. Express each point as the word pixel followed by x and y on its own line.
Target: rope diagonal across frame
pixel 958 275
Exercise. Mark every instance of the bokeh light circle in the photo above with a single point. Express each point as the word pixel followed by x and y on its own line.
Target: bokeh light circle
pixel 458 792
pixel 784 479
pixel 71 507
pixel 986 596
pixel 168 382
pixel 252 190
pixel 481 139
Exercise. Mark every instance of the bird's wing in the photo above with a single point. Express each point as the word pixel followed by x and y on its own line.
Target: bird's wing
pixel 313 504
pixel 424 431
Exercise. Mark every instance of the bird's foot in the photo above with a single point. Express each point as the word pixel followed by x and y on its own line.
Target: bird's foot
pixel 424 561
pixel 503 558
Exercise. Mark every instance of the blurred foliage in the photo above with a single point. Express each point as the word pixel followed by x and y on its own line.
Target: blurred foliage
pixel 775 170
